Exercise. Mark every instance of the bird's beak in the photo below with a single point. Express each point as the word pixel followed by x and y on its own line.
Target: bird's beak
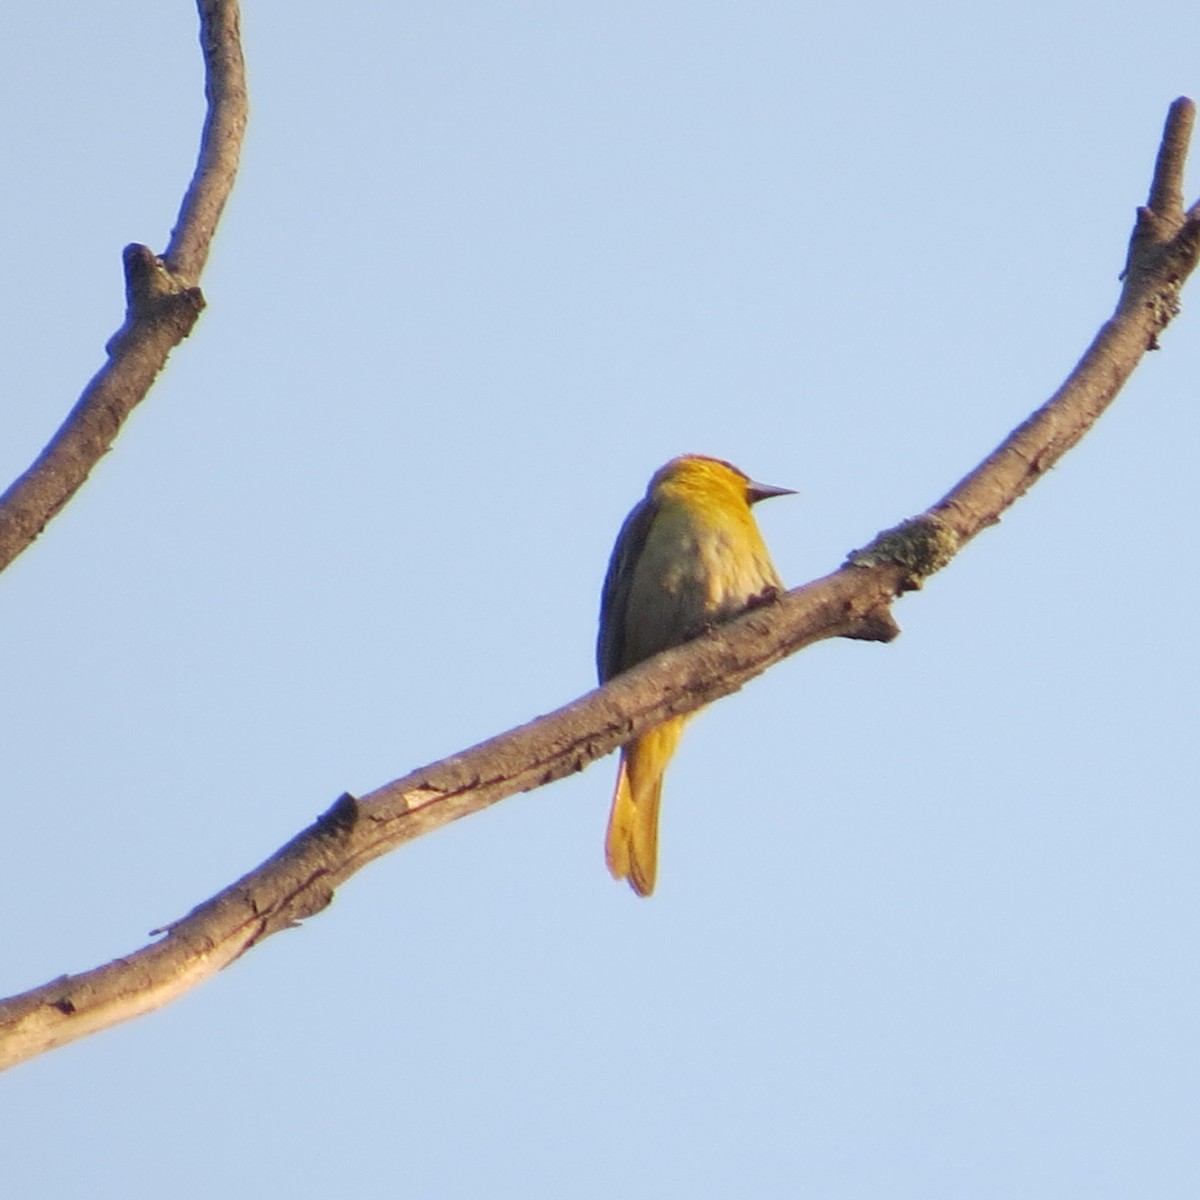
pixel 764 491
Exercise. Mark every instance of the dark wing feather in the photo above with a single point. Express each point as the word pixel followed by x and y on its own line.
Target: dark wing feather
pixel 614 599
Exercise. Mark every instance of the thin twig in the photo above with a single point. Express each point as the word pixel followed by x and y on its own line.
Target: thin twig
pixel 162 301
pixel 1162 253
pixel 220 142
pixel 1166 189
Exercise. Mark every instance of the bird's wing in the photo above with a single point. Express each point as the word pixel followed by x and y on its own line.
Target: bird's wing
pixel 614 599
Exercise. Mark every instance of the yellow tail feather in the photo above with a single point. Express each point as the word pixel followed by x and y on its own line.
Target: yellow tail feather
pixel 632 844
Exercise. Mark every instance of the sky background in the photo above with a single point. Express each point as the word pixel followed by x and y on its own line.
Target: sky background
pixel 928 914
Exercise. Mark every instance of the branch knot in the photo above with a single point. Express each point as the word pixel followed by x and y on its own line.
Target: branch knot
pixel 921 545
pixel 155 294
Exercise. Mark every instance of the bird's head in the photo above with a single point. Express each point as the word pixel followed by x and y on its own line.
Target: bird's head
pixel 701 475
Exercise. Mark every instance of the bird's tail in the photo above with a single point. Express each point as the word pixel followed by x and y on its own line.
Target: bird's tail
pixel 632 844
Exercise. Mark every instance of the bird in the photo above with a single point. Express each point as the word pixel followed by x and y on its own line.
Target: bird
pixel 688 556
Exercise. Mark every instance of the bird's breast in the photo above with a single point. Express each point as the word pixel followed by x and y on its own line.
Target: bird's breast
pixel 695 569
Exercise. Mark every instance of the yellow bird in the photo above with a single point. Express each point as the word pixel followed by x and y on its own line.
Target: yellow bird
pixel 688 556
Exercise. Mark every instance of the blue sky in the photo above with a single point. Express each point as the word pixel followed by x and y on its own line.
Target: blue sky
pixel 927 913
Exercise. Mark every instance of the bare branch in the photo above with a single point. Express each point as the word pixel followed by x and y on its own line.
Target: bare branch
pixel 162 301
pixel 1162 253
pixel 220 142
pixel 300 878
pixel 1166 189
pixel 855 601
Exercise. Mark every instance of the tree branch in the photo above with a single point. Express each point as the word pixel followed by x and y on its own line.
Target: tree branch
pixel 163 300
pixel 1162 253
pixel 855 601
